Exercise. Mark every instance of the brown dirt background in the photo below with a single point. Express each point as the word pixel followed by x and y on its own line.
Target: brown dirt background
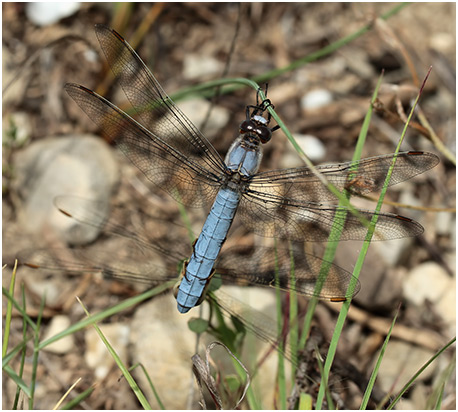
pixel 271 36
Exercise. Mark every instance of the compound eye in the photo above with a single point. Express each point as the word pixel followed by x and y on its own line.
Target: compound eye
pixel 246 126
pixel 264 133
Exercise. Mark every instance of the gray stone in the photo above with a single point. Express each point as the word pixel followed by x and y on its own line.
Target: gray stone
pixel 81 166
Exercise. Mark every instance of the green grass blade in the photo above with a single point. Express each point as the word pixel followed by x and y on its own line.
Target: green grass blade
pixel 435 399
pixel 281 375
pixel 78 399
pixel 9 313
pixel 327 50
pixel 419 372
pixel 293 318
pixel 10 355
pixel 19 308
pixel 370 385
pixel 17 380
pixel 138 393
pixel 305 402
pixel 204 89
pixel 108 312
pixel 150 382
pixel 36 352
pixel 324 380
pixel 438 404
pixel 331 247
pixel 25 339
pixel 359 263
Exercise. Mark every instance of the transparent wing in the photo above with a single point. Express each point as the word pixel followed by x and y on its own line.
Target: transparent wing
pixel 183 177
pixel 164 145
pixel 306 274
pixel 290 202
pixel 362 177
pixel 142 261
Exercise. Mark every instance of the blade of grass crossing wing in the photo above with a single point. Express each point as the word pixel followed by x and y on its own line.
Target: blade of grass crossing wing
pixel 336 229
pixel 293 317
pixel 138 393
pixel 359 263
pixel 370 385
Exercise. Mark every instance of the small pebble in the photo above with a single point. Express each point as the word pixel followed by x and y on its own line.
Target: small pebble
pixel 57 325
pixel 44 14
pixel 316 99
pixel 428 281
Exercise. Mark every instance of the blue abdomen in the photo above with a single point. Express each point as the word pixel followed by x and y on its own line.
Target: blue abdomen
pixel 207 249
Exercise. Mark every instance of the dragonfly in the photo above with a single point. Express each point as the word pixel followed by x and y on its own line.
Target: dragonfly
pixel 287 203
pixel 140 260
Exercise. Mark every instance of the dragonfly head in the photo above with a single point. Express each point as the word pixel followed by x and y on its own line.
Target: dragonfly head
pixel 256 123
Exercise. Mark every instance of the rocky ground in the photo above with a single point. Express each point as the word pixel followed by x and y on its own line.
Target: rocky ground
pixel 51 148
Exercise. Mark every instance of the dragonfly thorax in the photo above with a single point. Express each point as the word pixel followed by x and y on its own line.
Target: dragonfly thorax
pixel 244 156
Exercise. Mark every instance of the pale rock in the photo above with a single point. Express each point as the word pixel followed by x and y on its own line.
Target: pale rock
pixel 163 343
pixel 443 42
pixel 197 109
pixel 393 251
pixel 312 147
pixel 57 325
pixel 444 223
pixel 427 281
pixel 81 166
pixel 97 356
pixel 199 66
pixel 400 362
pixel 446 306
pixel 44 14
pixel 316 99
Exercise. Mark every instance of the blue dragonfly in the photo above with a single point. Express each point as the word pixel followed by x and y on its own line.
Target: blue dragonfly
pixel 173 154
